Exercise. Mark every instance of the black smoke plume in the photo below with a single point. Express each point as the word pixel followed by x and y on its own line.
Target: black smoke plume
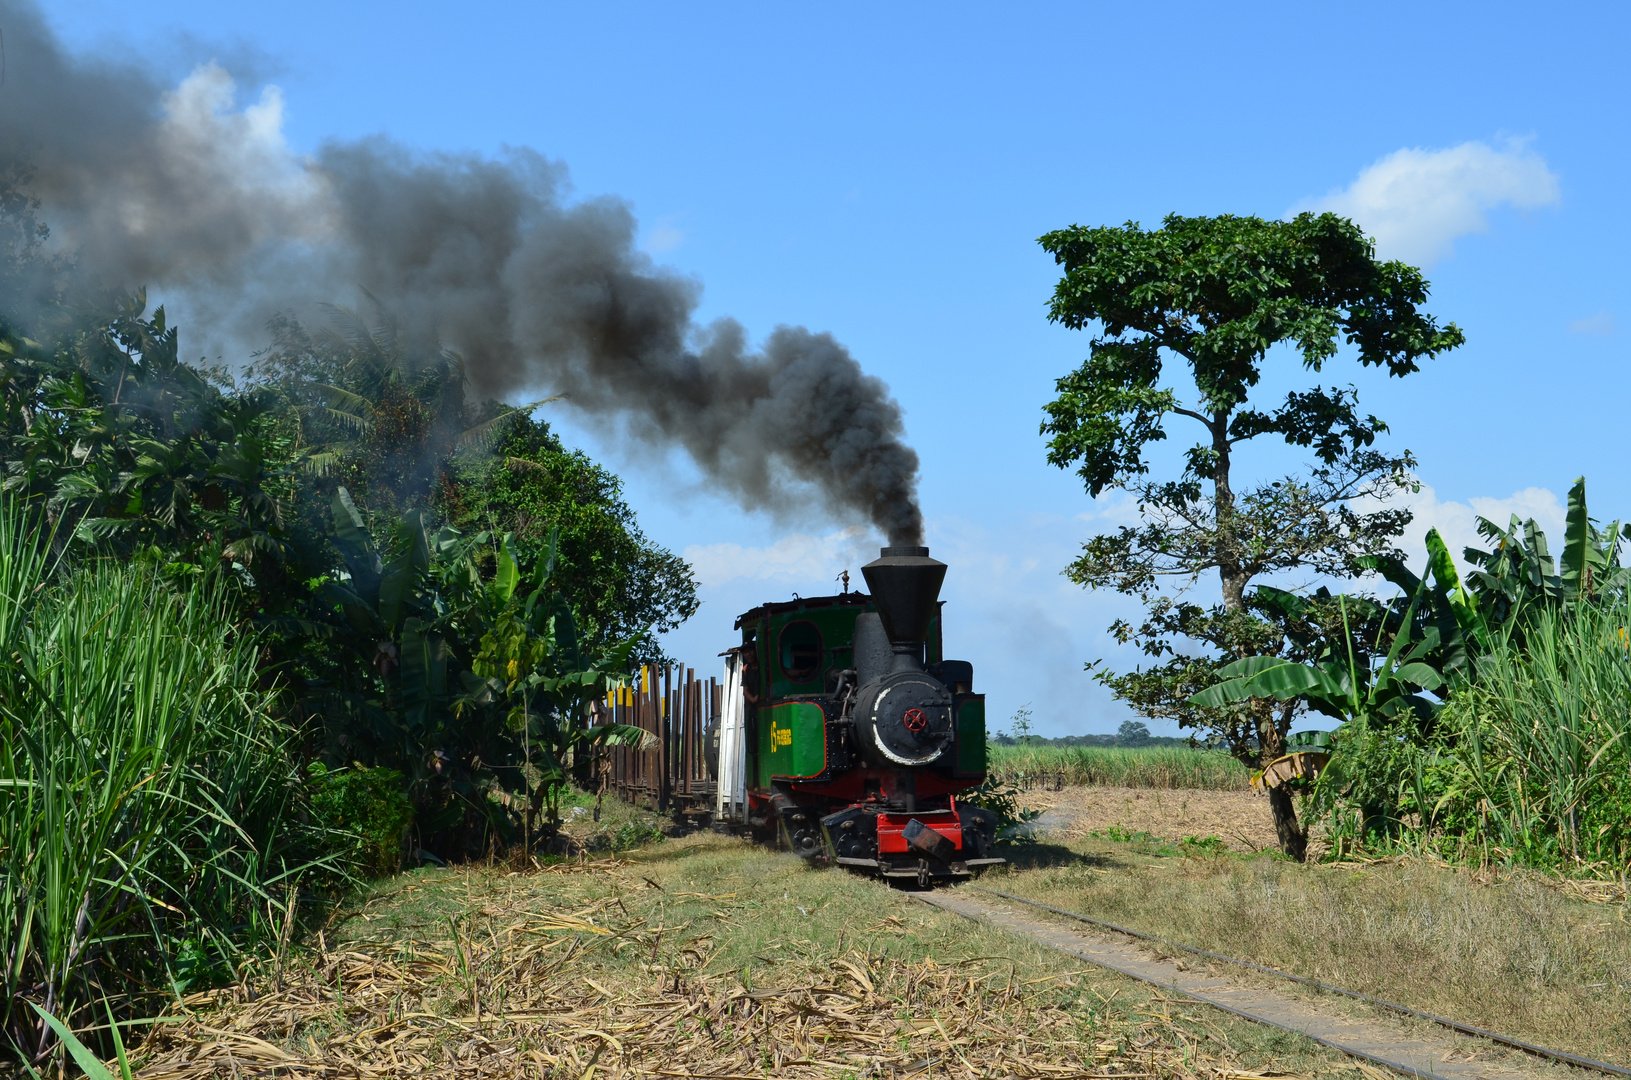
pixel 179 190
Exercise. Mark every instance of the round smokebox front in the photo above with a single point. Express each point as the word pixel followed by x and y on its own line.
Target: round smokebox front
pixel 906 718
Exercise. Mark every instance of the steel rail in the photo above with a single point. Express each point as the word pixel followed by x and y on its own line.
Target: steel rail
pixel 1453 1025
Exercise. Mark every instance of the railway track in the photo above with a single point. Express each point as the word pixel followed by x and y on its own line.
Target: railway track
pixel 1441 1059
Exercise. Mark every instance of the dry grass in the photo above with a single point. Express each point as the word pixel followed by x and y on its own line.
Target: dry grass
pixel 700 957
pixel 1240 818
pixel 1536 958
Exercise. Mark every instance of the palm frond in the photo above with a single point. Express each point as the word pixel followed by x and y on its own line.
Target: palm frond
pixel 323 463
pixel 358 424
pixel 100 528
pixel 526 466
pixel 483 434
pixel 341 396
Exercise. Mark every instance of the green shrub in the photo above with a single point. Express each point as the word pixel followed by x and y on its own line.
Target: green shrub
pixel 371 805
pixel 1120 835
pixel 1531 763
pixel 1198 846
pixel 1001 797
pixel 636 834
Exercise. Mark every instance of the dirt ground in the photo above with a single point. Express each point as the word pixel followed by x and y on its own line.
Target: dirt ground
pixel 1240 818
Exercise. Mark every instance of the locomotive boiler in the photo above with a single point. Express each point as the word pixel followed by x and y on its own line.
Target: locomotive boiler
pixel 847 737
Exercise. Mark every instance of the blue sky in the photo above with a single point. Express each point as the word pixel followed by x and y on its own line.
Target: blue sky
pixel 882 172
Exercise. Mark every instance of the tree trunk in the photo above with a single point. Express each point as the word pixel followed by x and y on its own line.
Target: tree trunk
pixel 1231 573
pixel 1287 829
pixel 1234 577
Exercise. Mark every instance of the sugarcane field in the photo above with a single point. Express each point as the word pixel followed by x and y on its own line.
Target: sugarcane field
pixel 719 542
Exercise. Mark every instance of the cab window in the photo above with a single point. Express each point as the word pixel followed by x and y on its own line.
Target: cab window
pixel 799 650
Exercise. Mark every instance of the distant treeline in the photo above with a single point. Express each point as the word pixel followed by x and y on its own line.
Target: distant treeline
pixel 1002 738
pixel 1131 733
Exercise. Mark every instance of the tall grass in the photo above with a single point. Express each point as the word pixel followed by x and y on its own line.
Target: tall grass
pixel 1536 760
pixel 147 797
pixel 1122 766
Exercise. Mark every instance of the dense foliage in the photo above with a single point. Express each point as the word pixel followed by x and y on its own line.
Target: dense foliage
pixel 535 489
pixel 1483 719
pixel 272 629
pixel 130 452
pixel 392 424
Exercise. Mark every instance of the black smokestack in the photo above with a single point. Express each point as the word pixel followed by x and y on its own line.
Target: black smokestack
pixel 179 190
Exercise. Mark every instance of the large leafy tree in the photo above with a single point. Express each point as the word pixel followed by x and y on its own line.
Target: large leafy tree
pixel 532 486
pixel 1216 295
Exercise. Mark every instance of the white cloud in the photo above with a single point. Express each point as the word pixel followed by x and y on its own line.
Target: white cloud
pixel 797 558
pixel 226 159
pixel 1415 203
pixel 1599 325
pixel 1457 522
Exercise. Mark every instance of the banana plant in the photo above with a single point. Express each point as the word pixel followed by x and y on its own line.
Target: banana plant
pixel 397 607
pixel 1436 629
pixel 488 681
pixel 1429 646
pixel 1518 573
pixel 536 660
pixel 1336 685
pixel 414 622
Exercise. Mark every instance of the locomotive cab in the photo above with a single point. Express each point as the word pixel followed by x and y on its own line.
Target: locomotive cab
pixel 848 737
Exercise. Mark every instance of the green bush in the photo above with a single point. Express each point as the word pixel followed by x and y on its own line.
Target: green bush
pixel 1001 797
pixel 369 804
pixel 1200 846
pixel 1530 763
pixel 635 834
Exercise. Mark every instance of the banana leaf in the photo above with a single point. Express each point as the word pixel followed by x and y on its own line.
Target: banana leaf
pixel 356 547
pixel 508 574
pixel 402 578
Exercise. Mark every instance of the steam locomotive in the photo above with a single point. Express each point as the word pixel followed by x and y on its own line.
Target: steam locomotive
pixel 848 738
